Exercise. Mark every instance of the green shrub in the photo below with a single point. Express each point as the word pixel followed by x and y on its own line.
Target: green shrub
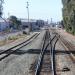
pixel 12 38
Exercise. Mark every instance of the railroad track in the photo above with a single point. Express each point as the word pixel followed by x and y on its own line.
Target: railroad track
pixel 45 64
pixel 69 47
pixel 6 53
pixel 41 56
pixel 65 57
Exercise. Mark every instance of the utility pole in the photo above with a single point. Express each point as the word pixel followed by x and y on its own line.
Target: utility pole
pixel 28 16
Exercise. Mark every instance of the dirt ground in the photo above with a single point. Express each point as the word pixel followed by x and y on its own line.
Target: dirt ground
pixel 69 37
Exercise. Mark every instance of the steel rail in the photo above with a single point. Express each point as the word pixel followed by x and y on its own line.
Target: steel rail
pixel 17 45
pixel 11 50
pixel 52 53
pixel 53 56
pixel 68 47
pixel 40 60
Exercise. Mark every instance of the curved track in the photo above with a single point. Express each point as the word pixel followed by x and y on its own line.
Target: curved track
pixel 6 53
pixel 64 57
pixel 45 64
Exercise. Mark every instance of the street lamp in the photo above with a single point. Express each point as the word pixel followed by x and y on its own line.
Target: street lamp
pixel 28 10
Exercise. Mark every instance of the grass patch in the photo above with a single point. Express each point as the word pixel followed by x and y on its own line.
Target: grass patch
pixel 11 39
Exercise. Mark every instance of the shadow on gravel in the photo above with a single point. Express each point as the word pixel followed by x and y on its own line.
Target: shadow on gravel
pixel 64 52
pixel 30 51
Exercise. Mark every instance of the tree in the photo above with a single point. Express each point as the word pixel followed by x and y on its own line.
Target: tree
pixel 1 7
pixel 69 15
pixel 18 24
pixel 14 22
pixel 62 23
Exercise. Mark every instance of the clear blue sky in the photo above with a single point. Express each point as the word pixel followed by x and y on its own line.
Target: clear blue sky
pixel 39 9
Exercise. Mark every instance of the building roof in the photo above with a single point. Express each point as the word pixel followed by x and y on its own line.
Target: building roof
pixel 26 20
pixel 22 19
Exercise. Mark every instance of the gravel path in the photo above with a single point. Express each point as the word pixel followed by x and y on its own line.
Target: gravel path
pixel 18 63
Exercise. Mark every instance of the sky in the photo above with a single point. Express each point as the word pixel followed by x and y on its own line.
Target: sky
pixel 38 9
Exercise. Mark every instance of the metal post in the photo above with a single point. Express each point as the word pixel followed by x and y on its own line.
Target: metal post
pixel 28 16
